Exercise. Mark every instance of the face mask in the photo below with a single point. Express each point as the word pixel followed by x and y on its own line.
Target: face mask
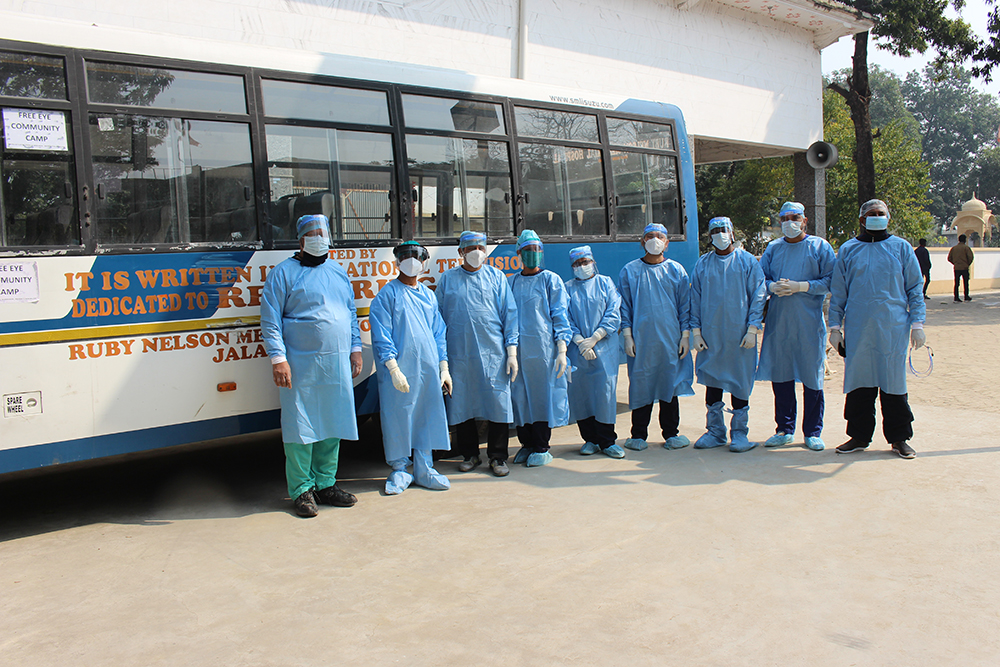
pixel 316 246
pixel 531 258
pixel 411 266
pixel 584 271
pixel 791 228
pixel 475 258
pixel 655 246
pixel 876 223
pixel 721 240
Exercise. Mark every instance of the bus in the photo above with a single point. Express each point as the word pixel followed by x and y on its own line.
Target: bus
pixel 145 199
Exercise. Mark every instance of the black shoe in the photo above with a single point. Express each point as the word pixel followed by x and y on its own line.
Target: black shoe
pixel 305 505
pixel 957 300
pixel 469 465
pixel 499 468
pixel 904 450
pixel 336 496
pixel 968 298
pixel 927 297
pixel 852 446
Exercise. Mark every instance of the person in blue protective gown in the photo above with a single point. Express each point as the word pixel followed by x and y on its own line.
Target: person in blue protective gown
pixel 539 391
pixel 727 303
pixel 876 308
pixel 411 359
pixel 479 310
pixel 797 272
pixel 655 294
pixel 594 319
pixel 310 330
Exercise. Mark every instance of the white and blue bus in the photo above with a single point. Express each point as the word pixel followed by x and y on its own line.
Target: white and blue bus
pixel 144 200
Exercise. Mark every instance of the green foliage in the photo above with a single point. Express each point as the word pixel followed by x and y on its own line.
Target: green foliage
pixel 984 178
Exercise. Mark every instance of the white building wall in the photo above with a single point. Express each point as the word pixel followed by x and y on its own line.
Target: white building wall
pixel 737 76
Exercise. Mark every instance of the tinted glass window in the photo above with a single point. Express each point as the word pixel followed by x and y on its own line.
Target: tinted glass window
pixel 646 187
pixel 346 176
pixel 640 134
pixel 548 124
pixel 24 75
pixel 438 113
pixel 325 103
pixel 110 83
pixel 460 184
pixel 564 188
pixel 171 180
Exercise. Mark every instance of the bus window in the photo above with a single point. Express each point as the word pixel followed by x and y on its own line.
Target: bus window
pixel 646 187
pixel 640 134
pixel 461 184
pixel 549 124
pixel 172 180
pixel 289 99
pixel 346 176
pixel 129 85
pixel 564 188
pixel 451 115
pixel 26 75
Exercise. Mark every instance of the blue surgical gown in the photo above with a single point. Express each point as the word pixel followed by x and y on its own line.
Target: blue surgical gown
pixel 727 297
pixel 407 327
pixel 876 293
pixel 478 308
pixel 594 304
pixel 307 314
pixel 538 395
pixel 656 306
pixel 794 345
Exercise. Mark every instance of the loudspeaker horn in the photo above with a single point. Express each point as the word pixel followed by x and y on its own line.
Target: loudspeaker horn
pixel 821 155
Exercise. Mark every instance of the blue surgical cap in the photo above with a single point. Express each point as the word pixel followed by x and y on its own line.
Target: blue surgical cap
pixel 580 252
pixel 874 203
pixel 307 223
pixel 719 223
pixel 654 227
pixel 791 207
pixel 470 238
pixel 528 237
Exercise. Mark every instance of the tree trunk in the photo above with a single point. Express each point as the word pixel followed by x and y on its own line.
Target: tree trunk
pixel 858 96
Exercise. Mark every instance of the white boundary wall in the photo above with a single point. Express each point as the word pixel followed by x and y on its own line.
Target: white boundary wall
pixel 984 274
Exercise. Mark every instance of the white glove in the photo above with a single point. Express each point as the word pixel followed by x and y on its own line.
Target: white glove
pixel 629 342
pixel 750 340
pixel 685 345
pixel 589 355
pixel 445 377
pixel 588 343
pixel 697 342
pixel 398 379
pixel 561 361
pixel 836 338
pixel 512 362
pixel 800 286
pixel 917 338
pixel 783 287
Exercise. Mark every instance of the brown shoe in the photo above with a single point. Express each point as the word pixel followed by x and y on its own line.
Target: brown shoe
pixel 305 505
pixel 336 496
pixel 904 450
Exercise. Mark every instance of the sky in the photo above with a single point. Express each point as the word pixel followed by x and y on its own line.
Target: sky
pixel 838 56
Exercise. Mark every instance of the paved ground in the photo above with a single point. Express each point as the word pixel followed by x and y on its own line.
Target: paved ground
pixel 773 557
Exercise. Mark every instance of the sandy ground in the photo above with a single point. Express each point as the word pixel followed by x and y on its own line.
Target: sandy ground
pixel 773 557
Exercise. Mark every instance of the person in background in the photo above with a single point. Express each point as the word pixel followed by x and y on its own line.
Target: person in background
pixel 727 303
pixel 594 318
pixel 411 358
pixel 479 310
pixel 875 309
pixel 924 259
pixel 961 256
pixel 655 294
pixel 797 271
pixel 539 392
pixel 310 329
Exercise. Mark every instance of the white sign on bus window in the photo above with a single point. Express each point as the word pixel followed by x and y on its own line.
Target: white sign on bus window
pixel 34 130
pixel 18 282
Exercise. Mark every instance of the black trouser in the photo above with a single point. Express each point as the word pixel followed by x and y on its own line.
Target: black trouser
pixel 859 411
pixel 964 276
pixel 713 395
pixel 602 435
pixel 467 440
pixel 535 436
pixel 670 419
pixel 927 282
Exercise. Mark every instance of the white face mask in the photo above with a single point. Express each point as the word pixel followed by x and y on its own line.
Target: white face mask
pixel 411 266
pixel 791 228
pixel 475 258
pixel 584 271
pixel 655 246
pixel 721 240
pixel 317 246
pixel 876 223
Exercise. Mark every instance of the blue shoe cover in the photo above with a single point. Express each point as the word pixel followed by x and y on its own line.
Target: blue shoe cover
pixel 778 439
pixel 536 459
pixel 676 442
pixel 522 455
pixel 424 473
pixel 589 448
pixel 614 451
pixel 635 444
pixel 398 481
pixel 715 435
pixel 738 430
pixel 815 443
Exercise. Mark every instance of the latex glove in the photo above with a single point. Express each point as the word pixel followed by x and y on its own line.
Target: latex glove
pixel 697 342
pixel 685 346
pixel 512 362
pixel 836 338
pixel 561 361
pixel 589 355
pixel 629 342
pixel 588 343
pixel 799 286
pixel 783 287
pixel 750 339
pixel 398 379
pixel 917 338
pixel 445 377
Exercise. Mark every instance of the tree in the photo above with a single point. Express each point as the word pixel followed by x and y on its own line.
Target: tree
pixel 984 178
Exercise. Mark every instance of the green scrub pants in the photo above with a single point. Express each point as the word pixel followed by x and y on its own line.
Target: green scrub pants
pixel 311 466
